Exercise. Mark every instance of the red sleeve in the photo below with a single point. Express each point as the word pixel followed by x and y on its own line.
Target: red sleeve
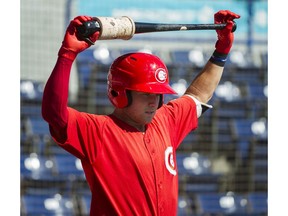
pixel 55 96
pixel 180 115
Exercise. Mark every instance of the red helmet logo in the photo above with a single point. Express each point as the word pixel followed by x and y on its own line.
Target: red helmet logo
pixel 161 75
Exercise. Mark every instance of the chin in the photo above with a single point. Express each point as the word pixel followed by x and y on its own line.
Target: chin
pixel 149 120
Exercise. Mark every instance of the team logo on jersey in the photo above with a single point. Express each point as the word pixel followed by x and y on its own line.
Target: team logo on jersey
pixel 169 160
pixel 161 75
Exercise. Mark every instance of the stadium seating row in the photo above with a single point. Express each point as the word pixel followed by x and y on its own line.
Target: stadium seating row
pixel 52 203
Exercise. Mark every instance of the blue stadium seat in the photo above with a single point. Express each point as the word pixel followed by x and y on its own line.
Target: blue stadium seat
pixel 84 74
pixel 37 167
pixel 251 141
pixel 242 135
pixel 247 129
pixel 203 185
pixel 35 134
pixel 188 142
pixel 86 57
pixel 84 203
pixel 195 173
pixel 193 164
pixel 223 134
pixel 39 126
pixel 247 77
pixel 68 166
pixel 185 205
pixel 38 172
pixel 88 60
pixel 242 129
pixel 30 110
pixel 194 57
pixel 259 164
pixel 237 58
pixel 222 203
pixel 258 91
pixel 101 88
pixel 258 202
pixel 47 204
pixel 246 132
pixel 85 62
pixel 258 97
pixel 235 109
pixel 31 90
pixel 180 56
pixel 260 151
pixel 260 170
pixel 230 91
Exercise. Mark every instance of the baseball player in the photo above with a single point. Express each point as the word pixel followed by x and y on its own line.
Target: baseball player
pixel 129 156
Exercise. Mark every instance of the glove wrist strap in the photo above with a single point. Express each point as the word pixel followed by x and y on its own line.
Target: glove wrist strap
pixel 66 53
pixel 218 58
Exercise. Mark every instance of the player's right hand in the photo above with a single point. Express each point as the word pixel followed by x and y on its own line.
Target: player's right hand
pixel 71 45
pixel 225 36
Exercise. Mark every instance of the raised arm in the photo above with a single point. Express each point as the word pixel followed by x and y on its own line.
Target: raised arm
pixel 205 83
pixel 55 96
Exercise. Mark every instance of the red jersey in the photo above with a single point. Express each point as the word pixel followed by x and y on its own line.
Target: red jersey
pixel 131 172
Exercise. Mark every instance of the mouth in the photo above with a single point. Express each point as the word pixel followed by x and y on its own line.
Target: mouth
pixel 150 112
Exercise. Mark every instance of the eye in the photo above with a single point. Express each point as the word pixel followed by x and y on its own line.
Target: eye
pixel 145 94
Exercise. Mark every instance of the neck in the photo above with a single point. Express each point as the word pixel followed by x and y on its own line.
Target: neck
pixel 125 118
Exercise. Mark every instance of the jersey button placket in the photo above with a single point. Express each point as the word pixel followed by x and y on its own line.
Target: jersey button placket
pixel 149 147
pixel 160 188
pixel 160 185
pixel 151 150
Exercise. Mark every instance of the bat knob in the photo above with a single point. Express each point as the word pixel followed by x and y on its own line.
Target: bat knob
pixel 87 29
pixel 234 26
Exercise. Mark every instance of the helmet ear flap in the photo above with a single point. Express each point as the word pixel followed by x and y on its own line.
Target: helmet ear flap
pixel 117 97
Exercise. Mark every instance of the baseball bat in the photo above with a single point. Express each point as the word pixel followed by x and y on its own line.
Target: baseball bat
pixel 125 28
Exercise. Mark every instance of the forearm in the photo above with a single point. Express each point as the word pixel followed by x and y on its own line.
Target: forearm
pixel 205 83
pixel 55 96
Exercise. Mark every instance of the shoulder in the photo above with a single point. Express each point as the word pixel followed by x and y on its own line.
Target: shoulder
pixel 80 116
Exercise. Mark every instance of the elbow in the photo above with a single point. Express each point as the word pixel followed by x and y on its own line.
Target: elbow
pixel 204 98
pixel 54 115
pixel 55 119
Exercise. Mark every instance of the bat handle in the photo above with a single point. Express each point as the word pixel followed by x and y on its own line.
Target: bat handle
pixel 222 25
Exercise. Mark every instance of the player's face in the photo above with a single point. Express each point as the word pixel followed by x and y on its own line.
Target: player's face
pixel 143 108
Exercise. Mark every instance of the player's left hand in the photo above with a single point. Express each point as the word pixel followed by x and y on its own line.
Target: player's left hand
pixel 71 44
pixel 225 36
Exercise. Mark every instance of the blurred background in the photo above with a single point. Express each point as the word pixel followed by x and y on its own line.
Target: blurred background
pixel 222 165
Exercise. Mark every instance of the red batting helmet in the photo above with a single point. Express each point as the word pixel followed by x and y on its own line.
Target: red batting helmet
pixel 139 72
